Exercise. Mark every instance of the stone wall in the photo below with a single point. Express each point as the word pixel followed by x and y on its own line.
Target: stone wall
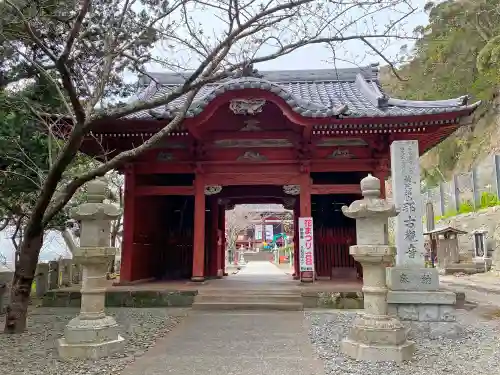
pixel 488 219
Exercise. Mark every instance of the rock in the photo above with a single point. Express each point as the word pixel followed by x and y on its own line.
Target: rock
pixel 450 330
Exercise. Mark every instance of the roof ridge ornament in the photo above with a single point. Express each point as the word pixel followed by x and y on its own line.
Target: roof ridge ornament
pixel 445 103
pixel 250 106
pixel 372 92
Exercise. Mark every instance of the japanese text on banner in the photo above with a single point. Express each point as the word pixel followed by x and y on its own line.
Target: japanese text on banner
pixel 306 244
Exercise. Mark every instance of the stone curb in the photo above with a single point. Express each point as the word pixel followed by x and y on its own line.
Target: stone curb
pixel 475 287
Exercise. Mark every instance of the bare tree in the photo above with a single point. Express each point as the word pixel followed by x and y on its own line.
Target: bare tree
pixel 85 53
pixel 239 219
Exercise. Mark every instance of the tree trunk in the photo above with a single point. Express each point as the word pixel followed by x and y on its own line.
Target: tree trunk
pixel 17 310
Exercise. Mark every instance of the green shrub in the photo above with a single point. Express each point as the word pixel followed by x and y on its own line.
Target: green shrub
pixel 466 207
pixel 489 200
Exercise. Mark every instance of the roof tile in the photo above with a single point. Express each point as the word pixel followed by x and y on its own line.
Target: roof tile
pixel 311 93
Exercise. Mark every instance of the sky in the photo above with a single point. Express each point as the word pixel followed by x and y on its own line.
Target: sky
pixel 318 56
pixel 311 57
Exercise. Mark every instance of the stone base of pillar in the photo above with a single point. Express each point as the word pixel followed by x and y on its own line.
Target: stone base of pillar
pixel 412 278
pixel 378 339
pixel 379 353
pixel 428 306
pixel 414 295
pixel 90 338
pixel 198 279
pixel 220 273
pixel 307 277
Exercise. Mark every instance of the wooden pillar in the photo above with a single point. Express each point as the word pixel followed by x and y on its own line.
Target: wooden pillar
pixel 305 211
pixel 305 195
pixel 222 226
pixel 214 239
pixel 199 229
pixel 127 250
pixel 381 172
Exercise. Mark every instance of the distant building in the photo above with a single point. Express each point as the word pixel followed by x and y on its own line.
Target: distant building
pixel 265 223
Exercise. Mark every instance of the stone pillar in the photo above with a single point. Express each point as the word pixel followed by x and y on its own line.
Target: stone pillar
pixel 42 279
pixel 92 334
pixel 53 274
pixel 65 272
pixel 76 274
pixel 413 289
pixel 375 335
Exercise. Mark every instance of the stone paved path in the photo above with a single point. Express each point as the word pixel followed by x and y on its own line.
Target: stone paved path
pixel 261 272
pixel 235 343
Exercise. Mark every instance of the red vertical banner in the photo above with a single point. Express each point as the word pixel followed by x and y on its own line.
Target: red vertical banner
pixel 306 247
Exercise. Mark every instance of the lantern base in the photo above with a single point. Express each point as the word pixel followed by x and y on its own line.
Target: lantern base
pixel 377 353
pixel 89 350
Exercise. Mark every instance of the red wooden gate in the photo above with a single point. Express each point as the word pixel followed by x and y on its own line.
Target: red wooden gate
pixel 331 249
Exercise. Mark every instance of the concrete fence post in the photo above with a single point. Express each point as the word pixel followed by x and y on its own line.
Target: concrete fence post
pixel 496 161
pixel 475 189
pixel 442 203
pixel 456 193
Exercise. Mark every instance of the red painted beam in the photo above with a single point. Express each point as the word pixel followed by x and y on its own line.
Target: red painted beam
pixel 283 167
pixel 225 179
pixel 163 190
pixel 160 168
pixel 336 189
pixel 343 165
pixel 271 134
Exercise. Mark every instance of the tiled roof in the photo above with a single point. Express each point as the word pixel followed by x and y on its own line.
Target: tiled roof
pixel 345 93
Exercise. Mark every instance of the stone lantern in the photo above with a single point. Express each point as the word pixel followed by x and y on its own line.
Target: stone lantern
pixel 375 336
pixel 92 334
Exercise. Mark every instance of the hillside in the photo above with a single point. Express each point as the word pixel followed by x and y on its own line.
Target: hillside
pixel 457 53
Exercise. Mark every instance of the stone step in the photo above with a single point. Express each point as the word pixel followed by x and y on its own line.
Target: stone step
pixel 250 292
pixel 236 297
pixel 281 306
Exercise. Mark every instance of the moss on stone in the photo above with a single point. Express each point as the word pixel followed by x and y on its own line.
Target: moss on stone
pixel 124 299
pixel 333 300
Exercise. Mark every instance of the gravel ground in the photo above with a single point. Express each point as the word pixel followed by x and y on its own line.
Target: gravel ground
pixel 472 349
pixel 35 352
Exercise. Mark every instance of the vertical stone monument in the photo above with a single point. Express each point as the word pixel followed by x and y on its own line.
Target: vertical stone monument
pixel 65 272
pixel 53 274
pixel 413 289
pixel 375 336
pixel 92 334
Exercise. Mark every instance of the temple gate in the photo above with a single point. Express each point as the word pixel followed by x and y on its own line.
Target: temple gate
pixel 303 139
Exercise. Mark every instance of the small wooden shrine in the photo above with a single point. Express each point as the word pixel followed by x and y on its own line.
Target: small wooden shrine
pixel 301 138
pixel 446 243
